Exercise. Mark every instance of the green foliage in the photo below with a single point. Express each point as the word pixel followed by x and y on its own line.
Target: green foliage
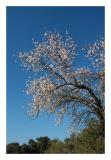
pixel 34 147
pixel 56 146
pixel 43 143
pixel 25 149
pixel 13 148
pixel 89 140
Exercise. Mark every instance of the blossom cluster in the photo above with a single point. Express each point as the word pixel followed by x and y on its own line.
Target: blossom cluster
pixel 63 87
pixel 95 53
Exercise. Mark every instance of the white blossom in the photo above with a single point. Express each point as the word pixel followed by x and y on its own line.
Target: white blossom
pixel 63 86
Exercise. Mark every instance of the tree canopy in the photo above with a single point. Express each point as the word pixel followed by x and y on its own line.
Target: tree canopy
pixel 88 140
pixel 66 86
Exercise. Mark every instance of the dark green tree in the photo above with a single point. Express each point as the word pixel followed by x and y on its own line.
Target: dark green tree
pixel 33 146
pixel 25 149
pixel 43 143
pixel 13 148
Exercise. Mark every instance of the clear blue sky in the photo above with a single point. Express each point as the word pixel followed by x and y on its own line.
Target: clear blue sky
pixel 85 24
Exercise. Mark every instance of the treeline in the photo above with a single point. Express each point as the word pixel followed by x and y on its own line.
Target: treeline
pixel 90 140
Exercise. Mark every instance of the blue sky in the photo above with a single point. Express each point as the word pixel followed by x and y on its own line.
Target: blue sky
pixel 85 24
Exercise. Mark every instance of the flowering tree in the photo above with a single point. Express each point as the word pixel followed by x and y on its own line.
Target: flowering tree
pixel 64 87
